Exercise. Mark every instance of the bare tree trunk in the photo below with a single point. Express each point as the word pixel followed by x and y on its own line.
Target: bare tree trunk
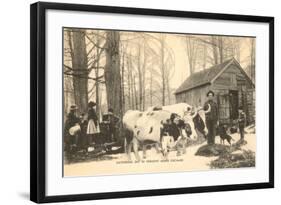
pixel 97 94
pixel 220 47
pixel 135 92
pixel 237 45
pixel 112 71
pixel 129 82
pixel 150 88
pixel 252 59
pixel 214 48
pixel 162 68
pixel 204 56
pixel 67 93
pixel 68 80
pixel 97 81
pixel 168 91
pixel 143 77
pixel 133 86
pixel 191 50
pixel 122 82
pixel 80 71
pixel 139 77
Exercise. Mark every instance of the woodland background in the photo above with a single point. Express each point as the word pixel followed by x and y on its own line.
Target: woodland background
pixel 135 70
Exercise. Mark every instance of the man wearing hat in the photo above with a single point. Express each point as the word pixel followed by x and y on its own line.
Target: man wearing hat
pixel 113 124
pixel 71 118
pixel 241 122
pixel 211 117
pixel 70 127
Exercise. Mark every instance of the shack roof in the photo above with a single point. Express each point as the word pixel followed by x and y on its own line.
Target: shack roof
pixel 206 76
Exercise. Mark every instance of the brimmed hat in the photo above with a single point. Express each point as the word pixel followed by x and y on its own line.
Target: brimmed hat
pixel 91 104
pixel 73 107
pixel 210 91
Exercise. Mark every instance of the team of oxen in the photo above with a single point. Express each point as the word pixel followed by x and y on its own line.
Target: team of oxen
pixel 148 128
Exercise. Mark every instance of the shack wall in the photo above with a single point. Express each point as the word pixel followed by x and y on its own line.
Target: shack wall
pixel 231 79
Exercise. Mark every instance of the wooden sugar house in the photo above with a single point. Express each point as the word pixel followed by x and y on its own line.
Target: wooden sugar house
pixel 232 87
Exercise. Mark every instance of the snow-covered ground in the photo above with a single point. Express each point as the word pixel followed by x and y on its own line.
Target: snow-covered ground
pixel 154 163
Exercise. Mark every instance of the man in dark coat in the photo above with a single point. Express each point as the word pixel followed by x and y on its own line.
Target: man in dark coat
pixel 211 117
pixel 113 122
pixel 84 138
pixel 241 122
pixel 71 120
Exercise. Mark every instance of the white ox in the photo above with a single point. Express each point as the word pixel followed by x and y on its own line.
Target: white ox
pixel 144 128
pixel 187 113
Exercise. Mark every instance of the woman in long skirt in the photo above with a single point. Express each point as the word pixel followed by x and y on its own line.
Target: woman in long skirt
pixel 92 121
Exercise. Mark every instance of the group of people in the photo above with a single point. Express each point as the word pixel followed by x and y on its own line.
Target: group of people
pixel 85 130
pixel 212 120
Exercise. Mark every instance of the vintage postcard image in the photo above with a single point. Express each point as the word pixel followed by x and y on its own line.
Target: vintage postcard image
pixel 148 102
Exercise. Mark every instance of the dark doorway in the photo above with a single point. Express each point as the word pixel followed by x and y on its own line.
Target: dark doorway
pixel 233 102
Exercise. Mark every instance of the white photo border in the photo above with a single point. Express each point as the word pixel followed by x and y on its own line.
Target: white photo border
pixel 58 185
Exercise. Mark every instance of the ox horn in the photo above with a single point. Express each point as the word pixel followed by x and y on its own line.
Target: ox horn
pixel 195 112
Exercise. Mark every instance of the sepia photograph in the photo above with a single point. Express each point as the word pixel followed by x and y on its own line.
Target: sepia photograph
pixel 139 102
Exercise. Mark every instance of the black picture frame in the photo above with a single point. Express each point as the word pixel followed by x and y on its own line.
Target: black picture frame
pixel 38 100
